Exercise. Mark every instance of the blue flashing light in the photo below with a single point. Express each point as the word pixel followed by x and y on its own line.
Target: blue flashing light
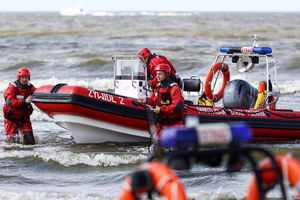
pixel 230 49
pixel 189 137
pixel 179 136
pixel 262 50
pixel 225 49
pixel 259 50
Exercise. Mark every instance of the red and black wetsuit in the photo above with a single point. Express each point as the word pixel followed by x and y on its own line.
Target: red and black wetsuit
pixel 16 111
pixel 167 95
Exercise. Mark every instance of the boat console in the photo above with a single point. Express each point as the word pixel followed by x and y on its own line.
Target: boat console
pixel 130 77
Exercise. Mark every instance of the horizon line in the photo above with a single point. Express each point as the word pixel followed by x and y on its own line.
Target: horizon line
pixel 179 11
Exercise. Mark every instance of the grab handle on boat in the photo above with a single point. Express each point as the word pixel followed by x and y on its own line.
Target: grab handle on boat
pixel 57 87
pixel 136 103
pixel 133 84
pixel 115 84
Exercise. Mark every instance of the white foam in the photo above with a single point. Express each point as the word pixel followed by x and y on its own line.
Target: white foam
pixel 284 86
pixel 68 158
pixel 38 115
pixel 290 87
pixel 171 14
pixel 142 13
pixel 33 195
pixel 97 84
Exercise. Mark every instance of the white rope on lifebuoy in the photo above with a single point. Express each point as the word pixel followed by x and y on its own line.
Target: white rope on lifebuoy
pixel 245 64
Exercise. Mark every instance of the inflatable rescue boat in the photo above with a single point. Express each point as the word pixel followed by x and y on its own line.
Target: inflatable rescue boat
pixel 93 116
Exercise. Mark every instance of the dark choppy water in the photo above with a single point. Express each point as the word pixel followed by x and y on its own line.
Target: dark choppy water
pixel 78 50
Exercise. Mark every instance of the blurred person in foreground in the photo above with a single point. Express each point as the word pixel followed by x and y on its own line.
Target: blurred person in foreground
pixel 17 109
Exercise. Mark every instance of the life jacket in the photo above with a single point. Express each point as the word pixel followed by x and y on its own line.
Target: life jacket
pixel 15 107
pixel 163 97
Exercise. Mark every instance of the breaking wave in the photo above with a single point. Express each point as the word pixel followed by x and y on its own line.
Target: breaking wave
pixel 68 158
pixel 143 13
pixel 97 84
pixel 285 86
pixel 36 195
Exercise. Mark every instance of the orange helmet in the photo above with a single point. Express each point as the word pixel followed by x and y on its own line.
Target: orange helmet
pixel 144 53
pixel 23 72
pixel 164 67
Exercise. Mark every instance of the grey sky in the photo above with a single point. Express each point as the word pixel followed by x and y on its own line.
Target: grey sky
pixel 153 5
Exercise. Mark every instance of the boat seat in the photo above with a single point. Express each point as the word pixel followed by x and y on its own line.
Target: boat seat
pixel 191 85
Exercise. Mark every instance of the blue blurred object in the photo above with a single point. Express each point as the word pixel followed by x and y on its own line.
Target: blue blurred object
pixel 231 49
pixel 205 135
pixel 259 50
pixel 262 50
pixel 241 132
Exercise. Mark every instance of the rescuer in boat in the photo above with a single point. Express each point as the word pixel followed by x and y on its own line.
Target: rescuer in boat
pixel 167 100
pixel 17 108
pixel 151 61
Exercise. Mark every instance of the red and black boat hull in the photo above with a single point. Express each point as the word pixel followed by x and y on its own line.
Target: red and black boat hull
pixel 126 112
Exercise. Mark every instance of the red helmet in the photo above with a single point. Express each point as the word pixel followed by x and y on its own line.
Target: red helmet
pixel 144 53
pixel 164 67
pixel 23 72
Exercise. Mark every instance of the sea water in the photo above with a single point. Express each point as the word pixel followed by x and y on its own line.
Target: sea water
pixel 77 51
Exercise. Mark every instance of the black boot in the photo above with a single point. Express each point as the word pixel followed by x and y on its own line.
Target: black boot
pixel 29 138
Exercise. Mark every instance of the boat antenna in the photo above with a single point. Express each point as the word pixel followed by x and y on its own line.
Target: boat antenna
pixel 255 41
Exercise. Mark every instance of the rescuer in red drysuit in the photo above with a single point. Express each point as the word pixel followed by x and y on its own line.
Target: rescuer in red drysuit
pixel 17 108
pixel 167 99
pixel 151 61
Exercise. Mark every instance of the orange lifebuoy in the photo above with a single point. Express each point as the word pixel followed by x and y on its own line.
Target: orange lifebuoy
pixel 287 165
pixel 165 182
pixel 207 85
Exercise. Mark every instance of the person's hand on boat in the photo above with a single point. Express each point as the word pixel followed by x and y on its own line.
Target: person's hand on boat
pixel 156 109
pixel 149 83
pixel 28 99
pixel 141 100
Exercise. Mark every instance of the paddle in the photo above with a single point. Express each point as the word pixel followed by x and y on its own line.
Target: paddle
pixel 155 149
pixel 151 116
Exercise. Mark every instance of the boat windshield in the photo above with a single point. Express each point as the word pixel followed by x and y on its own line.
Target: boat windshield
pixel 129 68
